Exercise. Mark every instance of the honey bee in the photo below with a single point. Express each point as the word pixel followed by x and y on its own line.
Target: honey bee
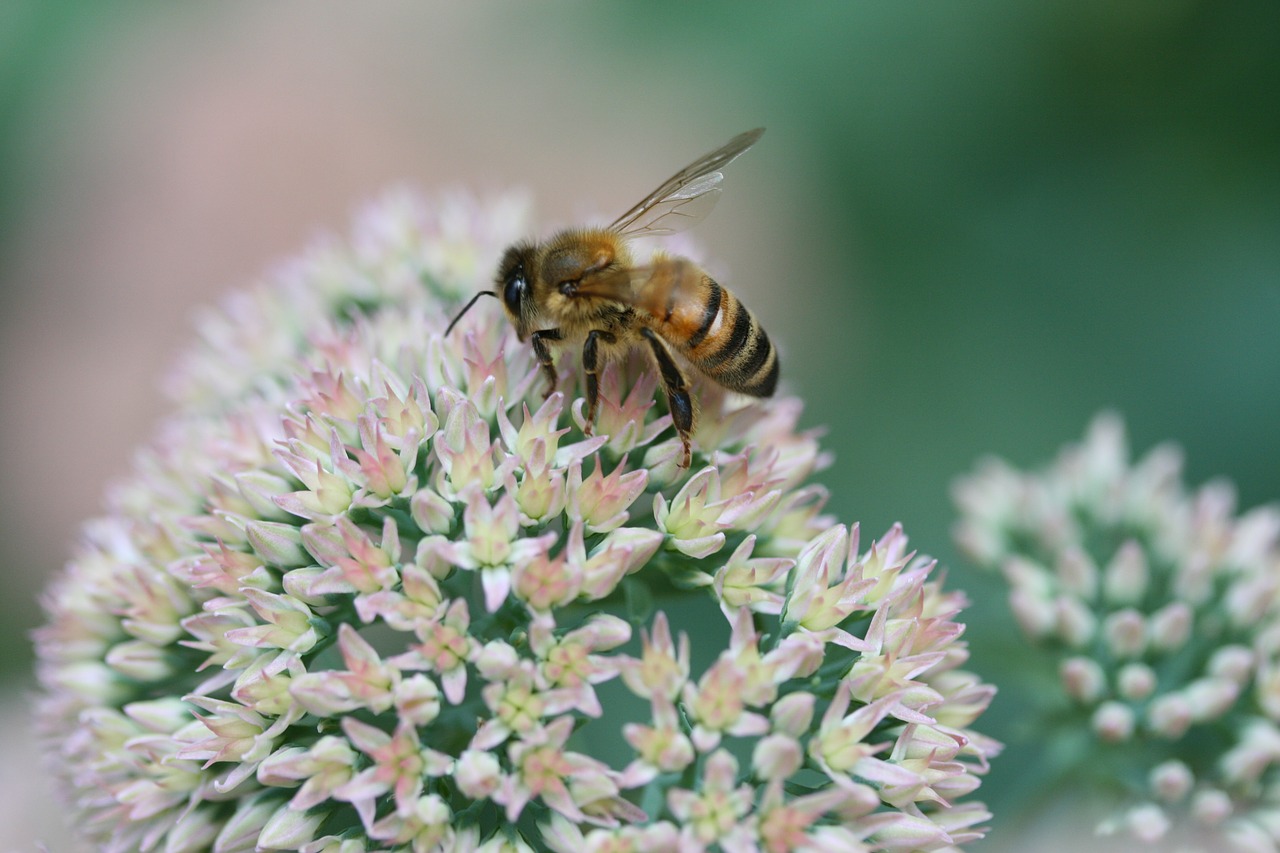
pixel 583 286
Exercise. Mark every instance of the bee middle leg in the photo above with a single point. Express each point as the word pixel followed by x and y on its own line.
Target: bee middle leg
pixel 679 400
pixel 542 351
pixel 591 367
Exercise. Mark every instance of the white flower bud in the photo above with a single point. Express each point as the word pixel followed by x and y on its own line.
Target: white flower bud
pixel 497 660
pixel 431 512
pixel 1148 823
pixel 1126 577
pixel 1232 662
pixel 1210 698
pixel 1170 715
pixel 477 773
pixel 1126 633
pixel 1210 806
pixel 160 715
pixel 1076 622
pixel 1171 626
pixel 417 699
pixel 777 756
pixel 242 830
pixel 1113 722
pixel 792 713
pixel 1077 573
pixel 138 660
pixel 1136 681
pixel 1083 679
pixel 1171 780
pixel 278 544
pixel 290 829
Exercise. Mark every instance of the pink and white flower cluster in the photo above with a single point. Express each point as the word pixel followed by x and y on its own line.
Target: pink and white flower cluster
pixel 369 591
pixel 1159 609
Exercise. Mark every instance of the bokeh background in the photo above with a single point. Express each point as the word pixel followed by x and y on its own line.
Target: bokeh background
pixel 969 227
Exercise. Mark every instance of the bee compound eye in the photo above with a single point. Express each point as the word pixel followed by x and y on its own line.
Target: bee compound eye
pixel 513 292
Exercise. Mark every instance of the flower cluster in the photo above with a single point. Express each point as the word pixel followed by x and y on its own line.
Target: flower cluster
pixel 1159 608
pixel 369 591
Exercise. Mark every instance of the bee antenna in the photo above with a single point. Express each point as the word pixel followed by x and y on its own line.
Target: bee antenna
pixel 467 308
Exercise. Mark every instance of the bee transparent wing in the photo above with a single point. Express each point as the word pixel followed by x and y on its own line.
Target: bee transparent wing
pixel 657 289
pixel 686 197
pixel 621 285
pixel 678 212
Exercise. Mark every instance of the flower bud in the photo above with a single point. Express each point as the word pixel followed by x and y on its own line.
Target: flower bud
pixel 1170 715
pixel 477 774
pixel 1126 577
pixel 777 756
pixel 431 512
pixel 792 714
pixel 417 699
pixel 1083 679
pixel 1170 626
pixel 1171 780
pixel 1125 632
pixel 1135 681
pixel 1113 722
pixel 139 661
pixel 1148 823
pixel 1076 622
pixel 1210 806
pixel 1234 662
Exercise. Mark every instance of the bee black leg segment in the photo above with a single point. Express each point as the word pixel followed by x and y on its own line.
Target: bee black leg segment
pixel 542 351
pixel 679 400
pixel 591 367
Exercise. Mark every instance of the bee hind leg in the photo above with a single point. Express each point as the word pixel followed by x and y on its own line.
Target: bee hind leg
pixel 591 367
pixel 542 351
pixel 679 400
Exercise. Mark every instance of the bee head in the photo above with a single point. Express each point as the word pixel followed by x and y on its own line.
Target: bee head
pixel 514 288
pixel 513 291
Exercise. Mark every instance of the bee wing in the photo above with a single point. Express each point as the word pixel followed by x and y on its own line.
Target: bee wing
pixel 657 289
pixel 686 197
pixel 620 285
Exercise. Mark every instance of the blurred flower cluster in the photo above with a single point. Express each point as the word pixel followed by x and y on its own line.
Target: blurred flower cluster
pixel 369 591
pixel 1158 606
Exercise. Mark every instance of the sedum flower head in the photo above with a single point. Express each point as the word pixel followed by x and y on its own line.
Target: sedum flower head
pixel 369 591
pixel 1158 606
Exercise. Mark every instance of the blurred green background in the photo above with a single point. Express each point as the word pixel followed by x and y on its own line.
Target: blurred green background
pixel 969 227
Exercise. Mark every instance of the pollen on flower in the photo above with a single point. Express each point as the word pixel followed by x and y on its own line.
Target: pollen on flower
pixel 369 590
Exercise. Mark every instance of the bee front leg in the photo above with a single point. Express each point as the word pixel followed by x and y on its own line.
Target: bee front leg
pixel 679 400
pixel 542 350
pixel 591 367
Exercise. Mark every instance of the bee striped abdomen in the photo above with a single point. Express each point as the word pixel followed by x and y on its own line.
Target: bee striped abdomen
pixel 710 327
pixel 731 347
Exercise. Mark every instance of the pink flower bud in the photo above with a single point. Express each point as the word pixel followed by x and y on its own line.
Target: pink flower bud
pixel 1083 679
pixel 1210 806
pixel 777 756
pixel 477 774
pixel 1148 823
pixel 1135 681
pixel 1170 715
pixel 1126 633
pixel 1113 722
pixel 1126 577
pixel 1171 780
